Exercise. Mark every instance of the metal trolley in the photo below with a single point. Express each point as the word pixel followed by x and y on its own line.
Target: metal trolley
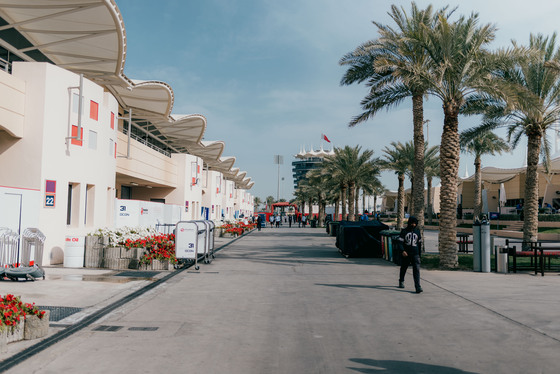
pixel 33 241
pixel 209 242
pixel 190 241
pixel 9 247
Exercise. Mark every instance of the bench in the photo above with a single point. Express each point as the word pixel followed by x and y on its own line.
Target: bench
pixel 463 241
pixel 541 256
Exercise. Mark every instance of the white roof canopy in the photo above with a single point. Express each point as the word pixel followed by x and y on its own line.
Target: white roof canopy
pixel 88 37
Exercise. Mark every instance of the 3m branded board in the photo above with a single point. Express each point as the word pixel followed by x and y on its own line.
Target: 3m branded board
pixel 186 240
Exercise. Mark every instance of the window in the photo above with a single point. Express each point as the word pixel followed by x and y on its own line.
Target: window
pixel 75 134
pixel 90 204
pixel 75 102
pixel 126 192
pixel 111 146
pixel 112 121
pixel 92 140
pixel 93 110
pixel 73 208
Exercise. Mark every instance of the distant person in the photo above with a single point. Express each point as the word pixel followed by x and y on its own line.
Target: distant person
pixel 290 221
pixel 299 221
pixel 303 220
pixel 411 241
pixel 259 223
pixel 278 220
pixel 271 221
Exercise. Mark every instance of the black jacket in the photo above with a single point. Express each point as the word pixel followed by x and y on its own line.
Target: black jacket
pixel 411 241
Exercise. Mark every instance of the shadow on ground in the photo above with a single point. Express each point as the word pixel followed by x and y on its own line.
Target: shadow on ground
pixel 398 367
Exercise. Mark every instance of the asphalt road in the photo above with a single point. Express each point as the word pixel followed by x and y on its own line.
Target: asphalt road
pixel 284 301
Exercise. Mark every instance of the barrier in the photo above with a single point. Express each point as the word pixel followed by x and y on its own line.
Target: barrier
pixel 33 241
pixel 190 241
pixel 9 247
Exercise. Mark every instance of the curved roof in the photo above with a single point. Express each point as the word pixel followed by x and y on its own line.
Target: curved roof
pixel 88 37
pixel 303 154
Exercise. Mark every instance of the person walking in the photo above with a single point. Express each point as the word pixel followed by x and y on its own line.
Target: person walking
pixel 303 220
pixel 290 221
pixel 259 223
pixel 411 242
pixel 278 219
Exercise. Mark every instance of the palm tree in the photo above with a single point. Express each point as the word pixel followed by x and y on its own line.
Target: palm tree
pixel 461 71
pixel 348 165
pixel 269 201
pixel 478 143
pixel 395 159
pixel 390 65
pixel 317 185
pixel 431 169
pixel 535 110
pixel 257 201
pixel 371 184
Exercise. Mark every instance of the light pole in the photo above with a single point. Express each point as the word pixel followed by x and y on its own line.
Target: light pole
pixel 427 123
pixel 278 160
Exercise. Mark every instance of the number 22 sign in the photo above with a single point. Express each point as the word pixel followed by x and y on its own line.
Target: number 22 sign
pixel 49 201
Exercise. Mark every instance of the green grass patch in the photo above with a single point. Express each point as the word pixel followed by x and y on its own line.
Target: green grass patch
pixel 549 230
pixel 431 262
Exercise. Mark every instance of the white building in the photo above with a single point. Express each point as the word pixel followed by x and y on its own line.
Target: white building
pixel 82 146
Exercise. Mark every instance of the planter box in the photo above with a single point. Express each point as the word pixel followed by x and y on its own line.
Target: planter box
pixel 15 333
pixel 36 327
pixel 94 251
pixel 157 265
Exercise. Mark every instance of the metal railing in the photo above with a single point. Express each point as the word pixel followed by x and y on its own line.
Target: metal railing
pixel 146 142
pixel 4 65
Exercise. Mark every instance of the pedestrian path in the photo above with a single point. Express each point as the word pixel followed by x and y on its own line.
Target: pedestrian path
pixel 285 301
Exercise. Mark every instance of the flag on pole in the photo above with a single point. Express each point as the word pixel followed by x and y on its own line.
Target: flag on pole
pixel 324 137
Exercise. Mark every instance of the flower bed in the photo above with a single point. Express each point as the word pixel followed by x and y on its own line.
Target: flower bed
pixel 13 315
pixel 236 229
pixel 158 247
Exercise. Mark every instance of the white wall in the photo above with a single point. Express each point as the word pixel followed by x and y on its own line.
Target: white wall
pixel 48 119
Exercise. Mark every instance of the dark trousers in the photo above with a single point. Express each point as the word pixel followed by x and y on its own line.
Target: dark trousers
pixel 415 262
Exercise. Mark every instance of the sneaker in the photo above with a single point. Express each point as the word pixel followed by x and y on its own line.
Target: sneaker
pixel 401 284
pixel 419 289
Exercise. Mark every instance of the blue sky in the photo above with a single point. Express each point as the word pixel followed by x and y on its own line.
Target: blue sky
pixel 265 73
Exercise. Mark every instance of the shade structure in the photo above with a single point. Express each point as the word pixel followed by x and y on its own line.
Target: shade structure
pixel 88 37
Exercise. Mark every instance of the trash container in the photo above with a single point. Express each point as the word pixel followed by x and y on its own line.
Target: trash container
pixel 481 246
pixel 74 251
pixel 502 259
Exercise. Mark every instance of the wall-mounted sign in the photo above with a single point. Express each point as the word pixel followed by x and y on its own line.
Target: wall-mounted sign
pixel 50 200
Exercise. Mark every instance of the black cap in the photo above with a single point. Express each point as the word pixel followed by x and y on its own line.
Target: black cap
pixel 412 220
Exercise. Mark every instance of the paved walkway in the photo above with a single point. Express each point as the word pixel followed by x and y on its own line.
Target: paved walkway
pixel 284 301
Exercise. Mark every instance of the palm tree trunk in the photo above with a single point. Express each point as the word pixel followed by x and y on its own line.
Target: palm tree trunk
pixel 321 211
pixel 310 203
pixel 477 187
pixel 531 202
pixel 418 172
pixel 449 165
pixel 356 199
pixel 363 201
pixel 400 203
pixel 430 206
pixel 343 199
pixel 351 200
pixel 336 209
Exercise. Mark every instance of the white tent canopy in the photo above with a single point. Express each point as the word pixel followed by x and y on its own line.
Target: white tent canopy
pixel 88 37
